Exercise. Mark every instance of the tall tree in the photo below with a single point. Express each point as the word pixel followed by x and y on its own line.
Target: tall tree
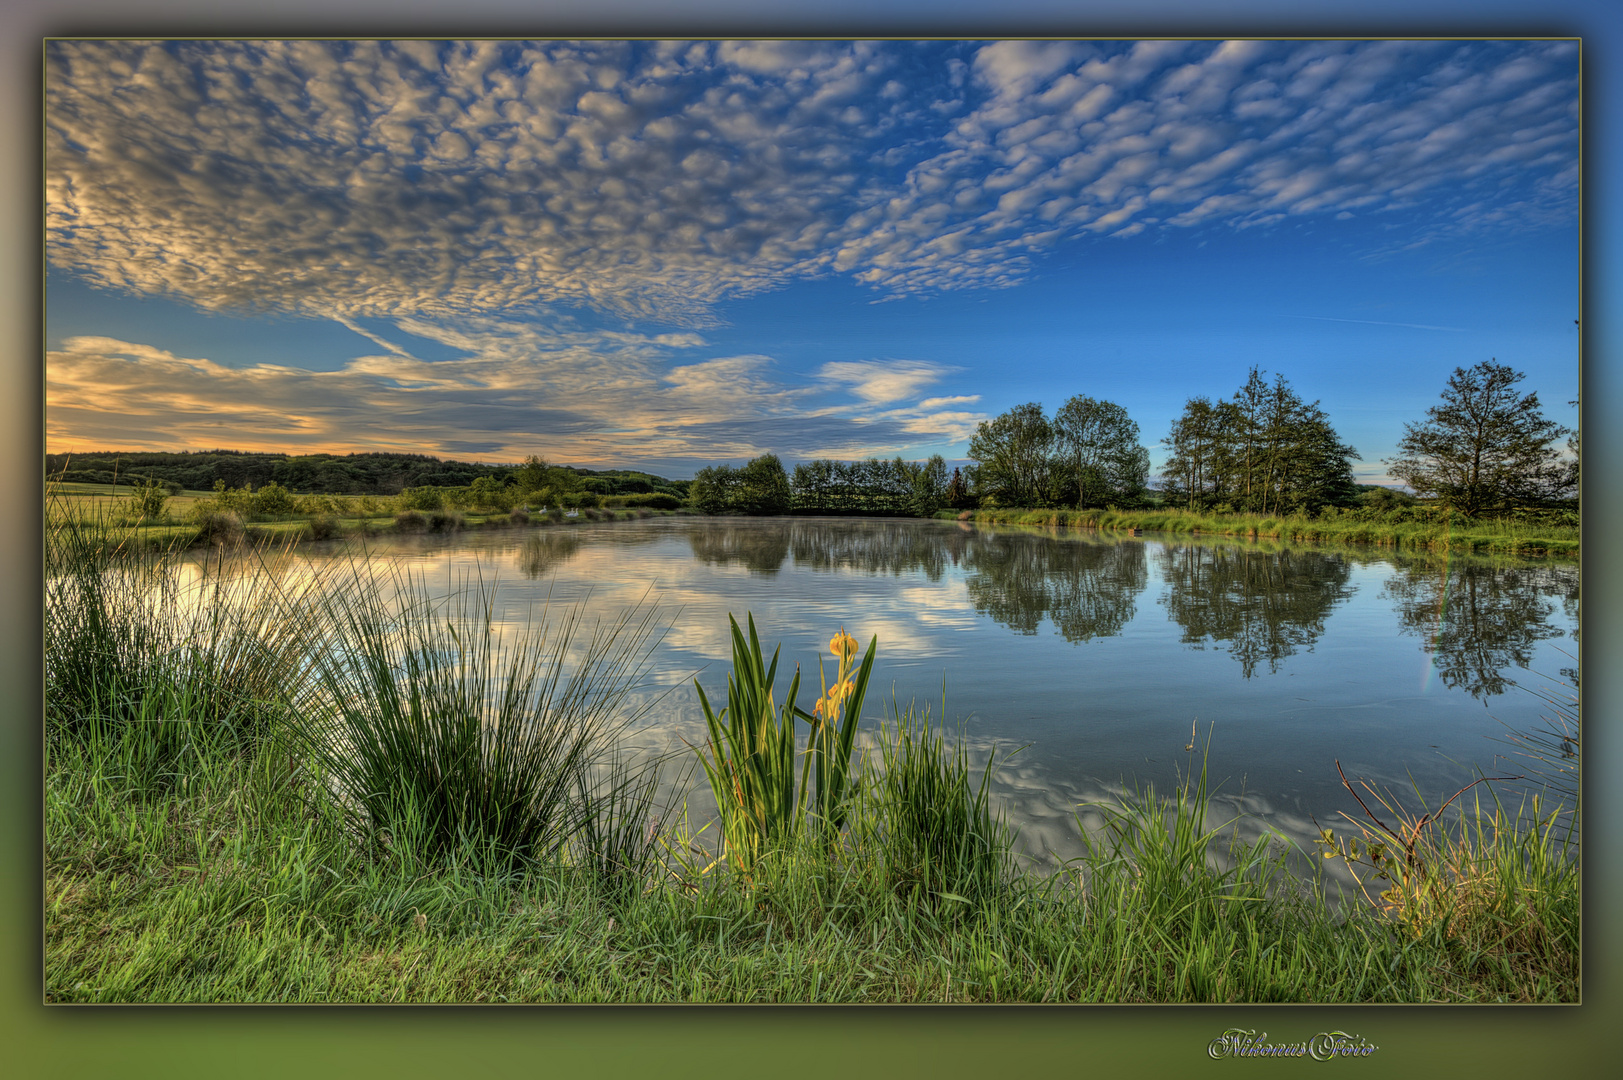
pixel 1486 447
pixel 1098 452
pixel 1013 453
pixel 1194 446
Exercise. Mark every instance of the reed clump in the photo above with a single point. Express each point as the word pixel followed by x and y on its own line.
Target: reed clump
pixel 436 729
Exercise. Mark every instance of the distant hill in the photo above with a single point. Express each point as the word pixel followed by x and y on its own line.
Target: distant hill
pixel 333 474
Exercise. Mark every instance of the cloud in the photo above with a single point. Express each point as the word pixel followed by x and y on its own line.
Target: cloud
pixel 588 398
pixel 435 181
pixel 879 381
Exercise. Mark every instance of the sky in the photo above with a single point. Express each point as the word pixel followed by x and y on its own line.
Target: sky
pixel 670 255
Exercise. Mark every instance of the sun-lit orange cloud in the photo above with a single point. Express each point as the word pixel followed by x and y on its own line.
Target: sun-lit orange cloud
pixel 588 399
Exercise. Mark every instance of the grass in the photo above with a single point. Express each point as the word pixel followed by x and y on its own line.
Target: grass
pixel 413 819
pixel 1485 537
pixel 437 733
pixel 193 519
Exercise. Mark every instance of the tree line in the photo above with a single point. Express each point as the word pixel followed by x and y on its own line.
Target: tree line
pixel 1486 448
pixel 343 474
pixel 762 486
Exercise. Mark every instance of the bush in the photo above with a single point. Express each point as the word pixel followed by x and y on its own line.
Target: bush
pixel 654 500
pixel 940 837
pixel 273 501
pixel 421 498
pixel 324 527
pixel 219 527
pixel 411 521
pixel 440 732
pixel 446 520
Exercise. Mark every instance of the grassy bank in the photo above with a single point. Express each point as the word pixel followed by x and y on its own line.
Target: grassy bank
pixel 261 795
pixel 191 519
pixel 1472 536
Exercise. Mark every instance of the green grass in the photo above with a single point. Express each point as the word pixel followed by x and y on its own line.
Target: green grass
pixel 236 888
pixel 372 835
pixel 1484 537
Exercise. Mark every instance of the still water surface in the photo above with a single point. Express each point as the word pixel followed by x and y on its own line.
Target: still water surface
pixel 1084 660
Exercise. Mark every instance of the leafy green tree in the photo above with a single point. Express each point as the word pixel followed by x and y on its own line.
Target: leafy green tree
pixel 1098 452
pixel 1486 447
pixel 1193 471
pixel 1265 450
pixel 1013 452
pixel 763 487
pixel 929 482
pixel 712 489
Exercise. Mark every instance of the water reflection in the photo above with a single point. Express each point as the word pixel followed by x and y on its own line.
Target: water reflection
pixel 1087 588
pixel 1265 604
pixel 879 547
pixel 544 552
pixel 1478 619
pixel 759 547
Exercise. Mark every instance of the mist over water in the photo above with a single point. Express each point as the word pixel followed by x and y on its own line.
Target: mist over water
pixel 1085 662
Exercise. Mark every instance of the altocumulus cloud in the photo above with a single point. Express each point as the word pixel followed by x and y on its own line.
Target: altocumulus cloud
pixel 653 180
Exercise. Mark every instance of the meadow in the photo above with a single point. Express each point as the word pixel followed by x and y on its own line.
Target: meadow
pixel 342 789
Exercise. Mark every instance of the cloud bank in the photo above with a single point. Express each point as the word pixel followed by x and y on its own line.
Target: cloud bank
pixel 588 398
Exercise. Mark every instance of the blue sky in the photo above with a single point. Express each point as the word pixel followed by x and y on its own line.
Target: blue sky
pixel 669 255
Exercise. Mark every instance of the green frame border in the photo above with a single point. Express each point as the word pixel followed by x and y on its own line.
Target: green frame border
pixel 707 1041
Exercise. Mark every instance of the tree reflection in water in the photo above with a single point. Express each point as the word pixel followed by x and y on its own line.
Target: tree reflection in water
pixel 871 547
pixel 544 552
pixel 1087 588
pixel 1265 604
pixel 1476 619
pixel 759 546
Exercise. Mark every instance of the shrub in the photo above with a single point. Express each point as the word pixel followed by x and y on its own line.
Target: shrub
pixel 411 521
pixel 656 500
pixel 324 527
pixel 219 527
pixel 939 835
pixel 132 654
pixel 421 498
pixel 273 500
pixel 519 516
pixel 445 520
pixel 146 502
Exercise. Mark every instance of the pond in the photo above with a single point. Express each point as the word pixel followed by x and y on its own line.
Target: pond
pixel 1085 660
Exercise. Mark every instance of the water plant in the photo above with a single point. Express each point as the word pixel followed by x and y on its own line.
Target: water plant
pixel 749 758
pixel 135 651
pixel 936 831
pixel 439 733
pixel 1501 884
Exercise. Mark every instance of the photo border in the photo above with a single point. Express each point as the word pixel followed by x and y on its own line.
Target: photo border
pixel 797 1040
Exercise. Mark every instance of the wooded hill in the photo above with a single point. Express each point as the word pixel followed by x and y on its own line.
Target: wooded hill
pixel 324 474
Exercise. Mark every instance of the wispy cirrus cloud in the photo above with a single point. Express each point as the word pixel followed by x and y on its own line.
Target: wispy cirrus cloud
pixel 654 180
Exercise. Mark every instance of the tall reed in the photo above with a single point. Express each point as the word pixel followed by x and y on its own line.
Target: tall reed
pixel 438 732
pixel 936 831
pixel 132 649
